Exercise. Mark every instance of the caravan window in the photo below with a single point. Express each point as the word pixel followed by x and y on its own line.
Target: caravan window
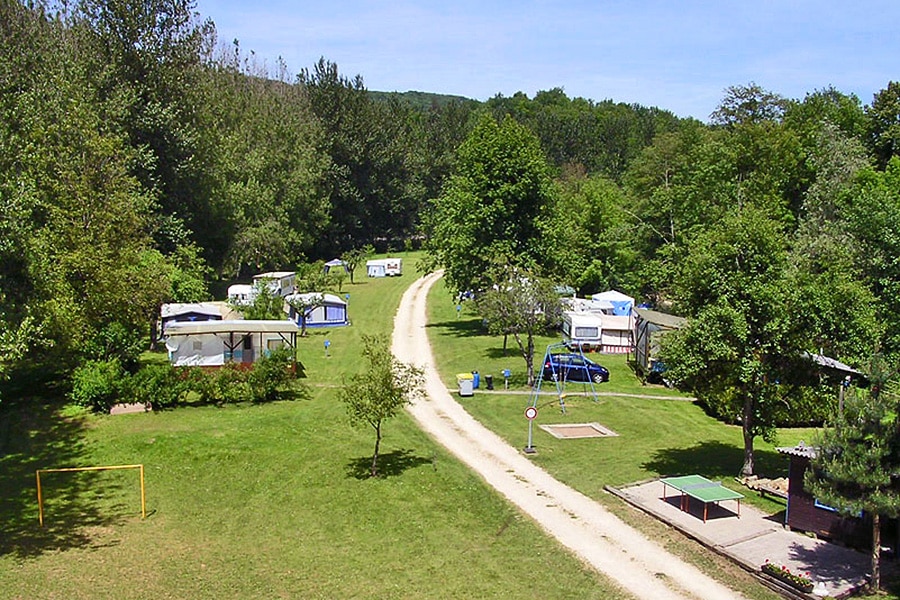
pixel 587 332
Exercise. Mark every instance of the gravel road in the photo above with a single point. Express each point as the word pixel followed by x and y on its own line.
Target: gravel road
pixel 601 540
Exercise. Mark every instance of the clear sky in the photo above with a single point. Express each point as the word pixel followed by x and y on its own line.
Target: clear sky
pixel 676 55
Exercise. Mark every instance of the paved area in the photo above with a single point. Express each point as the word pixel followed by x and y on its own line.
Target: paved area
pixel 754 537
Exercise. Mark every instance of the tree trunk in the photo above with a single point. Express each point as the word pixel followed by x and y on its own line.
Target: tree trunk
pixel 747 428
pixel 876 553
pixel 154 321
pixel 374 471
pixel 527 354
pixel 153 338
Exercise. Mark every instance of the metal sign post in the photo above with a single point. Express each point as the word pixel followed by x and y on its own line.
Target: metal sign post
pixel 530 414
pixel 327 346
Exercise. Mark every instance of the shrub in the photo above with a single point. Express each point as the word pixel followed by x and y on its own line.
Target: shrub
pixel 98 383
pixel 269 375
pixel 224 385
pixel 115 341
pixel 161 386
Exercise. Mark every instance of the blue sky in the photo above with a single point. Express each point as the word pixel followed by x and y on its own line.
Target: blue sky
pixel 679 56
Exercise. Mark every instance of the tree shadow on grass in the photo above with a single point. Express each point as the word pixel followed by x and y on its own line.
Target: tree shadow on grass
pixel 461 328
pixel 391 464
pixel 34 434
pixel 714 459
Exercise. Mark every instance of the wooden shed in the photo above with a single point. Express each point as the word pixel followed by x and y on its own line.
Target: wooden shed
pixel 805 513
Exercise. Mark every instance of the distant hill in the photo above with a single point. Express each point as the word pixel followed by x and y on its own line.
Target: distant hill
pixel 420 100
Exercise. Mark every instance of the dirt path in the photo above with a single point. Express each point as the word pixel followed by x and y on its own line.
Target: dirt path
pixel 599 538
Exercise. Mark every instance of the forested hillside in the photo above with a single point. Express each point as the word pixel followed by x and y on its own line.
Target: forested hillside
pixel 141 160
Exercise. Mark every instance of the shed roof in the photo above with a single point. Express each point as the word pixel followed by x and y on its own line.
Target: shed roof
pixel 801 450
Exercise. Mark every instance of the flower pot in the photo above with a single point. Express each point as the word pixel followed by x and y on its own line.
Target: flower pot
pixel 793 580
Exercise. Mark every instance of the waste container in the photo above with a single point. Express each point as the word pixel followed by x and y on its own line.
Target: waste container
pixel 489 382
pixel 476 379
pixel 465 382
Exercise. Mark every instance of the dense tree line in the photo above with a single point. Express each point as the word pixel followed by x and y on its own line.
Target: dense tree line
pixel 141 160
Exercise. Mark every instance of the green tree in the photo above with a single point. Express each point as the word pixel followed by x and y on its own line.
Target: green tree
pixel 870 212
pixel 378 393
pixel 303 305
pixel 488 213
pixel 856 464
pixel 270 172
pixel 356 257
pixel 375 178
pixel 884 124
pixel 522 305
pixel 266 303
pixel 587 239
pixel 733 288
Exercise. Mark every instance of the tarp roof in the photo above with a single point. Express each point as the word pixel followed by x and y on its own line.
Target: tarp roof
pixel 232 326
pixel 659 318
pixel 612 296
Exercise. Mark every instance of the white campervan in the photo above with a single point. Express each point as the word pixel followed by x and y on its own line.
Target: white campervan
pixel 582 330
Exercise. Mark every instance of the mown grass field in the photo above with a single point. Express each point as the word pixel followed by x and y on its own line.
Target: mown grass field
pixel 267 501
pixel 271 501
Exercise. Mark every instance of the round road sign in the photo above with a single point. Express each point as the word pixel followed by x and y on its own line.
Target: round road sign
pixel 530 413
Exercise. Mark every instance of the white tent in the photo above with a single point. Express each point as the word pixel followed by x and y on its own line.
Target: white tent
pixel 615 302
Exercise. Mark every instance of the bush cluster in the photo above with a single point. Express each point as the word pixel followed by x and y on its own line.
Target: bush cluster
pixel 101 384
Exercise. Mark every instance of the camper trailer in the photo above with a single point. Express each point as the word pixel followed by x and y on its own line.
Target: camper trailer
pixel 384 267
pixel 281 283
pixel 582 330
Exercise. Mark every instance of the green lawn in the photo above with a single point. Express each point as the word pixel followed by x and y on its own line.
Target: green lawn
pixel 271 501
pixel 267 501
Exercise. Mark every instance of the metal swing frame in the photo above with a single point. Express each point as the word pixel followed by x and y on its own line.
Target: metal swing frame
pixel 558 380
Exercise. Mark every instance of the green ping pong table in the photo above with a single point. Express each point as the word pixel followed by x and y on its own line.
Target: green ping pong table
pixel 702 489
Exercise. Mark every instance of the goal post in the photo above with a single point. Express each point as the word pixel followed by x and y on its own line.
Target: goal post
pixel 40 497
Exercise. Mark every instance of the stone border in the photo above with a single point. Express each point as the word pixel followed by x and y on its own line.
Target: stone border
pixel 558 431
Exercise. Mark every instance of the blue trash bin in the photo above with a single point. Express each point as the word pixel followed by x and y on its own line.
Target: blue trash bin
pixel 476 379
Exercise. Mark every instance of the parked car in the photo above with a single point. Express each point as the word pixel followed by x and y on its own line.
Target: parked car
pixel 573 367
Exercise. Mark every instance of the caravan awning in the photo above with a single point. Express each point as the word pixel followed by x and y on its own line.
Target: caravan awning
pixel 233 326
